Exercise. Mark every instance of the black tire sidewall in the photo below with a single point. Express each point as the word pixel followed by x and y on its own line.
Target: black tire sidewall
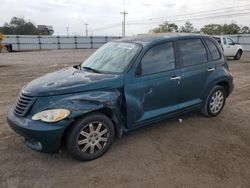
pixel 238 55
pixel 216 88
pixel 72 145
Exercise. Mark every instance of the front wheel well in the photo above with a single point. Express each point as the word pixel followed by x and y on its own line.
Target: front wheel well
pixel 106 111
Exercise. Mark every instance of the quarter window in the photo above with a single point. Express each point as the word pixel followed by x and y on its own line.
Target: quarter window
pixel 193 52
pixel 159 58
pixel 213 49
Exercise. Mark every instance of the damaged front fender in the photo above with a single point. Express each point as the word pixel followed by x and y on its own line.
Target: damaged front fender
pixel 79 104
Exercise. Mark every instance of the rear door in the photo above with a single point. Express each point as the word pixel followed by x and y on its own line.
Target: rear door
pixel 194 70
pixel 154 90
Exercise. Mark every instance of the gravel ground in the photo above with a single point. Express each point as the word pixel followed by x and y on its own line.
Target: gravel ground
pixel 199 152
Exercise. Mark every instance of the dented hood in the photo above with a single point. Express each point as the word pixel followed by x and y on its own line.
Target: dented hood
pixel 71 80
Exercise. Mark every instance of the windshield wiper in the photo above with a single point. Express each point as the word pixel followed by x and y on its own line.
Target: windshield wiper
pixel 93 70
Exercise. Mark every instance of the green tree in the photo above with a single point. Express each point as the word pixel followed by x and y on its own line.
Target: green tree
pixel 212 29
pixel 188 28
pixel 245 30
pixel 18 26
pixel 165 27
pixel 216 29
pixel 231 28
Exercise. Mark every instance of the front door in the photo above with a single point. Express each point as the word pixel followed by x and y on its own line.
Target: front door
pixel 154 91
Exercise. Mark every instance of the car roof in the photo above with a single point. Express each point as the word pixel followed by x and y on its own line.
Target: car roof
pixel 151 38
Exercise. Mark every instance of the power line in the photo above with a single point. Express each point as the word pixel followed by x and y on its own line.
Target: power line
pixel 179 18
pixel 214 11
pixel 194 18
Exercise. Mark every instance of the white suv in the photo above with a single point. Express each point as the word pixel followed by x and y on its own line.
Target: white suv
pixel 230 48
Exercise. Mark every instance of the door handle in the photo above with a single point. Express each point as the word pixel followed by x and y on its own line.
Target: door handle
pixel 175 78
pixel 210 69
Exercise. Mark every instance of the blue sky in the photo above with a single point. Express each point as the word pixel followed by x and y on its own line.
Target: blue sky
pixel 104 13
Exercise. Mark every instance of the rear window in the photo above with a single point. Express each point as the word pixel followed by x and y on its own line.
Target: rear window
pixel 193 52
pixel 213 49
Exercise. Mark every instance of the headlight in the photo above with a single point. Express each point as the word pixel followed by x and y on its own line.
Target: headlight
pixel 52 115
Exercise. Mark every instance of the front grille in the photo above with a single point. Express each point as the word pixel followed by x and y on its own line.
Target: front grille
pixel 23 104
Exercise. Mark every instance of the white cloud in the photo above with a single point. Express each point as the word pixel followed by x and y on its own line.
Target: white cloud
pixel 102 13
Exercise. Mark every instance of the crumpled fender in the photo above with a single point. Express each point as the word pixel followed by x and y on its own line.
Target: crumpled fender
pixel 83 103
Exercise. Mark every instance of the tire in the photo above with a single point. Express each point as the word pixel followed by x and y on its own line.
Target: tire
pixel 215 102
pixel 90 137
pixel 238 55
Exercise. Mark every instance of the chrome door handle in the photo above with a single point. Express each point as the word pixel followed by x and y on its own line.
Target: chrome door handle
pixel 210 69
pixel 175 78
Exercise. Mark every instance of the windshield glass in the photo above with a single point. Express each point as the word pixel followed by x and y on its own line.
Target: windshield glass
pixel 112 57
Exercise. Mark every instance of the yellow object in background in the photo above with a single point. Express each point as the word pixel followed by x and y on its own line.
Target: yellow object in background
pixel 1 39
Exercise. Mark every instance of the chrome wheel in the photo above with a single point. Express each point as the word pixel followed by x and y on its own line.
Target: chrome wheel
pixel 93 138
pixel 216 102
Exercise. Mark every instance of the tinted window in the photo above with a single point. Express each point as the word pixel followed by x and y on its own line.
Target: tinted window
pixel 213 49
pixel 159 58
pixel 193 52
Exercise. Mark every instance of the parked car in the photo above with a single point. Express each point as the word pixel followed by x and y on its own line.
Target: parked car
pixel 124 85
pixel 230 48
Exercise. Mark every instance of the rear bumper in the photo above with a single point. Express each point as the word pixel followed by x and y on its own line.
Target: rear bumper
pixel 40 136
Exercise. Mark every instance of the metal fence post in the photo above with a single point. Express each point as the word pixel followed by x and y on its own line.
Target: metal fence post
pixel 39 42
pixel 58 42
pixel 18 42
pixel 75 42
pixel 91 41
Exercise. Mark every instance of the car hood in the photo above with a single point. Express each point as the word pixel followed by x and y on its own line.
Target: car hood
pixel 71 80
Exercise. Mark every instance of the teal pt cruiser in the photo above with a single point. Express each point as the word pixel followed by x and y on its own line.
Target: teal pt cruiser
pixel 124 85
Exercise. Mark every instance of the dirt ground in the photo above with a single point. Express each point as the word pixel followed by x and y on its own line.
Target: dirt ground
pixel 199 152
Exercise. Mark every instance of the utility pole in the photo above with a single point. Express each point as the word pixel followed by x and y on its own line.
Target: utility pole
pixel 86 28
pixel 123 24
pixel 67 31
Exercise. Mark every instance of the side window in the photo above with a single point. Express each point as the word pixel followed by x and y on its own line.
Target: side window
pixel 224 41
pixel 213 49
pixel 230 41
pixel 192 51
pixel 217 39
pixel 159 58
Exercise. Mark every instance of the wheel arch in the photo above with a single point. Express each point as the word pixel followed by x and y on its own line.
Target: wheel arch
pixel 110 113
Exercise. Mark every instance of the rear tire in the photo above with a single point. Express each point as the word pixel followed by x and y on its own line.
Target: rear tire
pixel 238 55
pixel 215 102
pixel 90 137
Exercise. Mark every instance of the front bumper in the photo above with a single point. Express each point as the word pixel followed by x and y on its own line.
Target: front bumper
pixel 40 136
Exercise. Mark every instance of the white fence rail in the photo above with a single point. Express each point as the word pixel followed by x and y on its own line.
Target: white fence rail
pixel 34 42
pixel 37 42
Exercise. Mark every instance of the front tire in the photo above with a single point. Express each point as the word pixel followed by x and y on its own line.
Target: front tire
pixel 90 137
pixel 238 55
pixel 215 102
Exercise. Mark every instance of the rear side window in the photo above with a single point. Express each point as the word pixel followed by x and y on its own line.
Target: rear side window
pixel 158 59
pixel 193 52
pixel 213 49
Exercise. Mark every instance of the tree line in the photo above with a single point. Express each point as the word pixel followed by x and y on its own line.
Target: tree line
pixel 210 29
pixel 20 26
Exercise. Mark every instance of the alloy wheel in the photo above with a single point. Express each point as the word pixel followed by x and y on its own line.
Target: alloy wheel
pixel 93 138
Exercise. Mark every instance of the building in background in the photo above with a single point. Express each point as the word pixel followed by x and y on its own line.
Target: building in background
pixel 45 29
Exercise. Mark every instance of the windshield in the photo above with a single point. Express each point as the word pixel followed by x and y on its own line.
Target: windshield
pixel 112 57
